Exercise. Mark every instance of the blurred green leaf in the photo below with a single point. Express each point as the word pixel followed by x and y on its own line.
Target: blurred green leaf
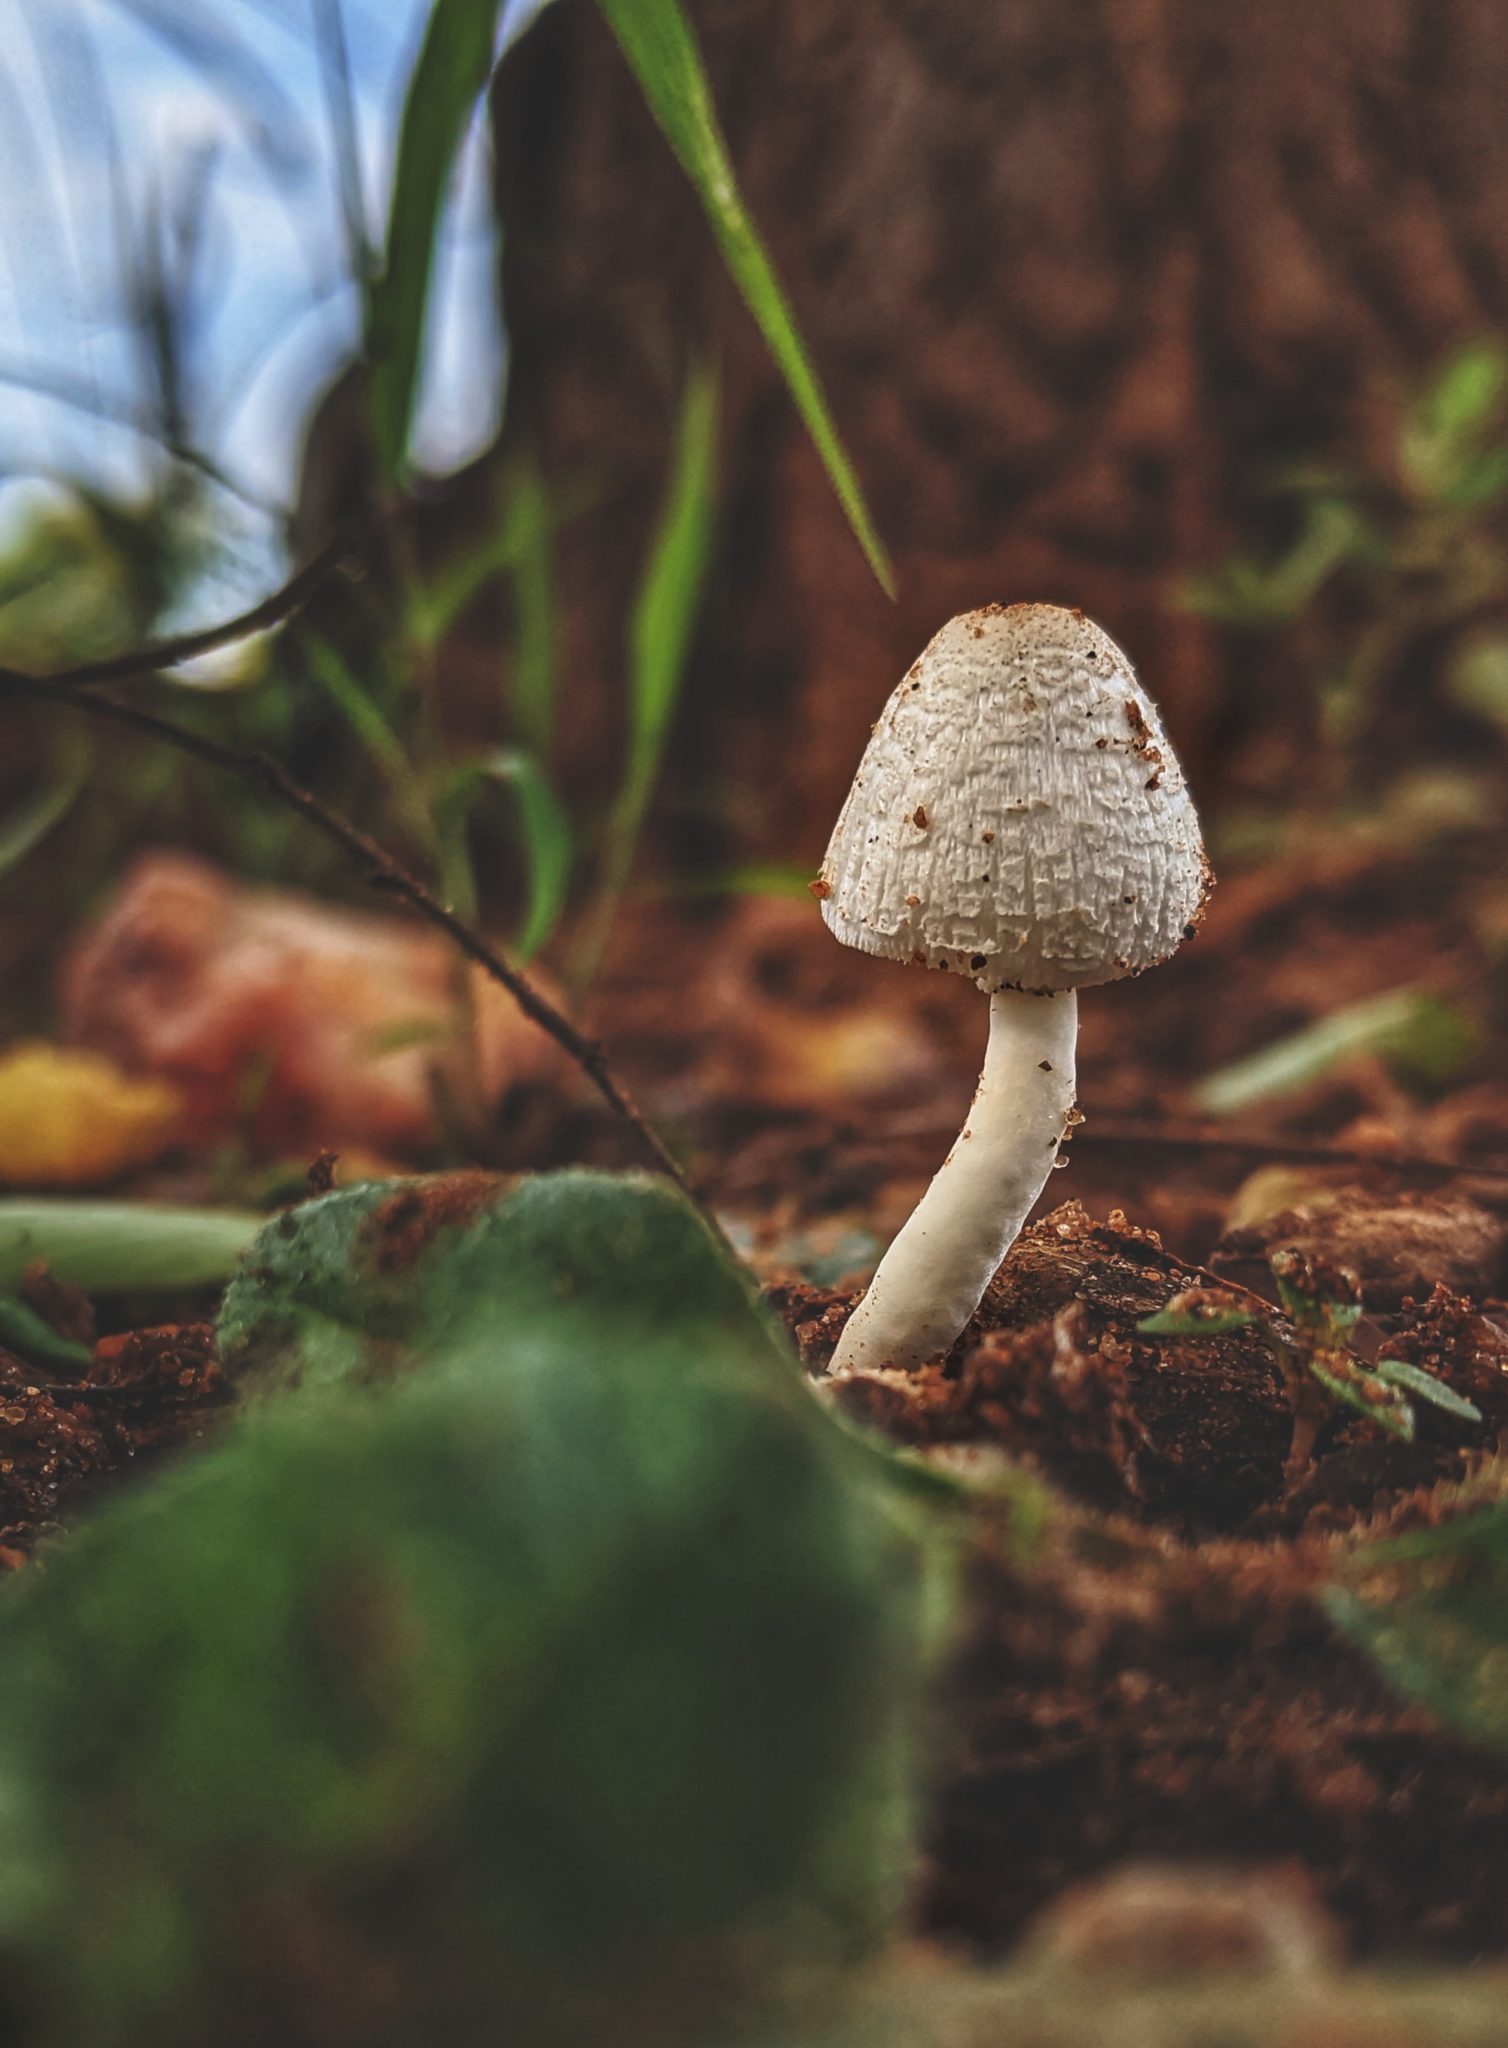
pixel 544 833
pixel 576 1675
pixel 420 1260
pixel 660 633
pixel 657 40
pixel 122 1247
pixel 23 1331
pixel 747 878
pixel 1260 596
pixel 435 611
pixel 404 1034
pixel 1443 447
pixel 359 708
pixel 1416 1032
pixel 1432 1609
pixel 448 78
pixel 1477 678
pixel 33 818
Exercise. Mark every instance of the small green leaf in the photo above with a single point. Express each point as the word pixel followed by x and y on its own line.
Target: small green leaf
pixel 23 1331
pixel 1323 1301
pixel 1194 1322
pixel 657 40
pixel 1444 449
pixel 1415 1031
pixel 1355 1387
pixel 448 78
pixel 1399 1372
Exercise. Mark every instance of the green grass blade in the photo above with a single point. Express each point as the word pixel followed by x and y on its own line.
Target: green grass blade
pixel 659 640
pixel 435 610
pixel 656 39
pixel 33 818
pixel 1410 1028
pixel 448 78
pixel 122 1247
pixel 358 708
pixel 378 739
pixel 546 834
pixel 544 831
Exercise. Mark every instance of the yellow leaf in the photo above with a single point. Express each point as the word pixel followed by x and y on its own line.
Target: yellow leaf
pixel 69 1118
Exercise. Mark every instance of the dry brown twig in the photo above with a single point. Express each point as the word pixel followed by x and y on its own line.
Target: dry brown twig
pixel 1101 1128
pixel 78 688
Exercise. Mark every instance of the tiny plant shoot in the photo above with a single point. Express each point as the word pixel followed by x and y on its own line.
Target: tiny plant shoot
pixel 1322 1306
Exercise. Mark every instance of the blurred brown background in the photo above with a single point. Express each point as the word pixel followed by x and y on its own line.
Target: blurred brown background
pixel 1076 278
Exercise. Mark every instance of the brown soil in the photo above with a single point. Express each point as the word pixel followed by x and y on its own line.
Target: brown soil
pixel 61 1439
pixel 1159 1680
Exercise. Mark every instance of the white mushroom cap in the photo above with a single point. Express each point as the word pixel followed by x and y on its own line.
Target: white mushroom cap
pixel 1018 815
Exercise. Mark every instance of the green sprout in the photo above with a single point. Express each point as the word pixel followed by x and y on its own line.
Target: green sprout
pixel 1311 1346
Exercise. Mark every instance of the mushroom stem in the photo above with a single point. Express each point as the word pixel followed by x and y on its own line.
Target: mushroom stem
pixel 934 1275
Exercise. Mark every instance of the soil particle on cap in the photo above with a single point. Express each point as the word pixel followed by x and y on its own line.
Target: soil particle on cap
pixel 919 818
pixel 820 888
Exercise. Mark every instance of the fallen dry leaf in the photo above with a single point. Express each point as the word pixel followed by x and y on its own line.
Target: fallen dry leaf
pixel 69 1119
pixel 308 1024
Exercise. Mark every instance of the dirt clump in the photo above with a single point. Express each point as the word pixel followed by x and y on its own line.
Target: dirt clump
pixel 144 1393
pixel 1156 1675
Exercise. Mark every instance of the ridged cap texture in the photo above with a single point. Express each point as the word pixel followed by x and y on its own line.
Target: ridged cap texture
pixel 1019 816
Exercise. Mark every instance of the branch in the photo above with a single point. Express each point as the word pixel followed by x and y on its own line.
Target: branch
pixel 1104 1129
pixel 76 687
pixel 146 661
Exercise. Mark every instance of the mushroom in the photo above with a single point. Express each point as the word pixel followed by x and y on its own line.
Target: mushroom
pixel 1018 817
